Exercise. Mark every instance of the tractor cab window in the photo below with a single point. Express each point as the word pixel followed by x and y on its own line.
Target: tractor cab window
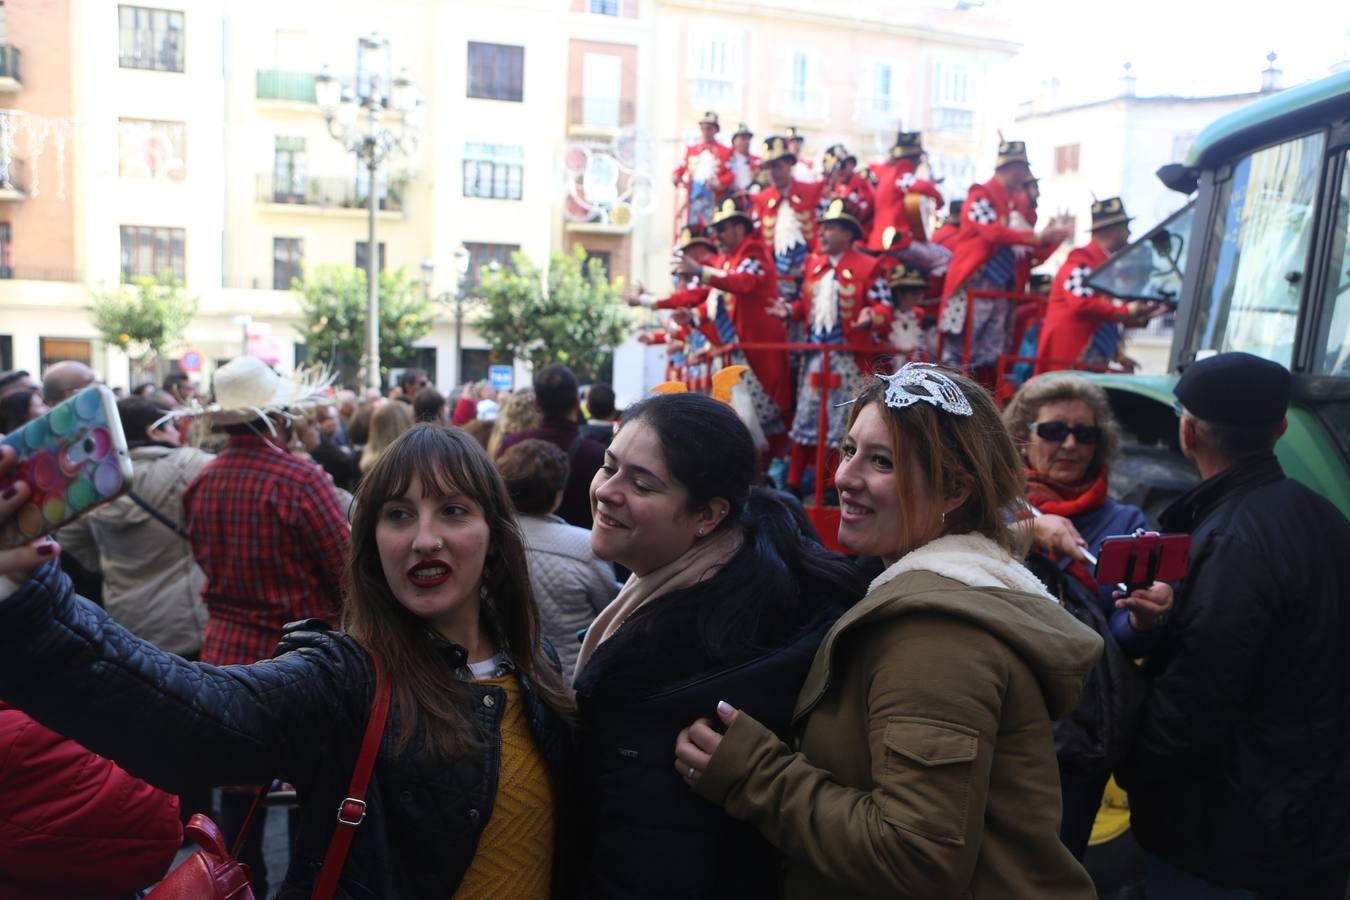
pixel 1151 267
pixel 1331 350
pixel 1255 261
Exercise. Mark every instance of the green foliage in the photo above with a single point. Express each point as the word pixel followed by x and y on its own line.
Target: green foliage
pixel 144 316
pixel 333 303
pixel 573 316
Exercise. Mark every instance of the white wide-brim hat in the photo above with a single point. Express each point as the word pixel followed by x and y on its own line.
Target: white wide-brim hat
pixel 246 388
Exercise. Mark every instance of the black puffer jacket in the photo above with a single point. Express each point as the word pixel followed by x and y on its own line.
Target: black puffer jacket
pixel 651 837
pixel 300 717
pixel 1238 771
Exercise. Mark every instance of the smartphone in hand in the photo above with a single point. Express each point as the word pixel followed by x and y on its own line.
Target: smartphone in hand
pixel 73 459
pixel 1138 560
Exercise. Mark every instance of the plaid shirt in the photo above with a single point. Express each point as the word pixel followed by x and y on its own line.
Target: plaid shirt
pixel 267 531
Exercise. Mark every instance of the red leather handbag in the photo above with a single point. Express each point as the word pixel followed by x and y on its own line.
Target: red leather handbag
pixel 213 874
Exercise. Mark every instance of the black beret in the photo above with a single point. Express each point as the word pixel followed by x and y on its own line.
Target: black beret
pixel 1235 389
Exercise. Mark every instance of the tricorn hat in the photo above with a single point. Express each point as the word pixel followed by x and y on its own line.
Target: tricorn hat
pixel 840 210
pixel 1108 212
pixel 1010 152
pixel 908 145
pixel 904 276
pixel 710 118
pixel 835 155
pixel 776 147
pixel 729 211
pixel 695 234
pixel 742 129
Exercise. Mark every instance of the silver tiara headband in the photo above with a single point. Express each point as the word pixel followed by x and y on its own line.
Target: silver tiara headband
pixel 916 381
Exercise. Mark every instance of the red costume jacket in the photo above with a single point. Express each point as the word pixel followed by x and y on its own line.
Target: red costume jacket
pixel 861 281
pixel 722 156
pixel 752 161
pixel 946 234
pixel 859 192
pixel 804 200
pixel 748 280
pixel 895 179
pixel 1074 312
pixel 984 229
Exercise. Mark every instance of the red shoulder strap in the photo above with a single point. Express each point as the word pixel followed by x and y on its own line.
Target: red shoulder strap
pixel 352 811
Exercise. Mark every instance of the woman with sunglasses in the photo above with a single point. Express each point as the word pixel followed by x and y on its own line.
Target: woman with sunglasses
pixel 1063 425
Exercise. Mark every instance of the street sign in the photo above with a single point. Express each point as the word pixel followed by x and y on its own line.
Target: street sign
pixel 190 361
pixel 500 377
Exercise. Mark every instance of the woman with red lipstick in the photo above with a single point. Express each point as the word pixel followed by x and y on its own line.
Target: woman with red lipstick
pixel 726 600
pixel 920 763
pixel 468 793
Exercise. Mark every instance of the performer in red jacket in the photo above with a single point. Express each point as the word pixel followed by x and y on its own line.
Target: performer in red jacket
pixel 994 233
pixel 744 165
pixel 737 309
pixel 846 299
pixel 786 213
pixel 897 177
pixel 845 182
pixel 75 824
pixel 704 171
pixel 1075 313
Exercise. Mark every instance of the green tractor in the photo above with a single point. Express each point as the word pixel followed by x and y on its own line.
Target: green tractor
pixel 1259 260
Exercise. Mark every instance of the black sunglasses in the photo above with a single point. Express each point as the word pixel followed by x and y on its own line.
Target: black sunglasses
pixel 1058 431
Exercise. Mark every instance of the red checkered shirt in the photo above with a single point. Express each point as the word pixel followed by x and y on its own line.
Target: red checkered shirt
pixel 267 530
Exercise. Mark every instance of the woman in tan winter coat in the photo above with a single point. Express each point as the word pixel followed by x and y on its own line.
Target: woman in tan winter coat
pixel 922 764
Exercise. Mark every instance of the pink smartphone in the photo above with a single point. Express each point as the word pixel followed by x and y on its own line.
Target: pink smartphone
pixel 74 459
pixel 1143 558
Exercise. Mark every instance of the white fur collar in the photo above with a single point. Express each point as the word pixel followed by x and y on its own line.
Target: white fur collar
pixel 971 559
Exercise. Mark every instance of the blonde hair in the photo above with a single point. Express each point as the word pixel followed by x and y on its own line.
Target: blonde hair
pixel 518 413
pixel 387 423
pixel 1057 387
pixel 955 454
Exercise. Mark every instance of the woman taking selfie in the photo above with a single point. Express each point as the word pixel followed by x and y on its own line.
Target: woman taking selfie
pixel 925 766
pixel 473 758
pixel 1063 425
pixel 726 601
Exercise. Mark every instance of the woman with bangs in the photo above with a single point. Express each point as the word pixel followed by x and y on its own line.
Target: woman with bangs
pixel 466 795
pixel 921 762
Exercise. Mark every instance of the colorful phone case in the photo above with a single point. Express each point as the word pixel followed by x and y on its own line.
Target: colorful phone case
pixel 1143 558
pixel 74 458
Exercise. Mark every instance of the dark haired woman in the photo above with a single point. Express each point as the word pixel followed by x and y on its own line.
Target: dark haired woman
pixel 726 600
pixel 464 797
pixel 922 764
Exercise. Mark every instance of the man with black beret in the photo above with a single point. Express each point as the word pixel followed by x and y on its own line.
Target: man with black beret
pixel 1239 775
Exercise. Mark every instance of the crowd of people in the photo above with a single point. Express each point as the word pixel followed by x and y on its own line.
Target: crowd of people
pixel 623 664
pixel 775 251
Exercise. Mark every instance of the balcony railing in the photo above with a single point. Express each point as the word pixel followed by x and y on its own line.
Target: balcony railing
pixel 325 193
pixel 600 112
pixel 16 178
pixel 952 120
pixel 36 273
pixel 9 62
pixel 277 84
pixel 800 104
pixel 881 111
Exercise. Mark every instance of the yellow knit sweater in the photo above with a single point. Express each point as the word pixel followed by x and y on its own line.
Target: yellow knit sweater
pixel 515 853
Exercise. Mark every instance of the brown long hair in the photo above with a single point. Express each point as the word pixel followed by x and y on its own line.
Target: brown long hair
pixel 426 690
pixel 974 454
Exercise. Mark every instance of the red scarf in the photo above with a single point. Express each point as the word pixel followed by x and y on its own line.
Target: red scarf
pixel 1068 500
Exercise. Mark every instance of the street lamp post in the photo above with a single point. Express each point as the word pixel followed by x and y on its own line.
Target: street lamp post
pixel 461 298
pixel 372 142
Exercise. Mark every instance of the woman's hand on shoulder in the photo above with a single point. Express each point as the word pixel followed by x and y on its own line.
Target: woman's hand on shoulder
pixel 1056 534
pixel 17 563
pixel 695 745
pixel 1148 606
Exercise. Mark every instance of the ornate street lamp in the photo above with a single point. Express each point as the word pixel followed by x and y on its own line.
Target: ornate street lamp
pixel 372 141
pixel 460 298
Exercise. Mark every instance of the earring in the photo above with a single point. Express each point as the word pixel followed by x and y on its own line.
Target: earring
pixel 700 532
pixel 942 518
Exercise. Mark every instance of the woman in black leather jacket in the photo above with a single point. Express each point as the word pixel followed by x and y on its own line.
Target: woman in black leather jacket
pixel 727 602
pixel 437 591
